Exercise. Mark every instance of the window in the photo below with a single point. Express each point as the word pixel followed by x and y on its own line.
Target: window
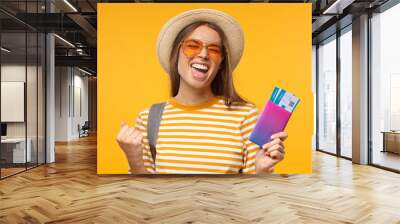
pixel 327 95
pixel 346 93
pixel 385 88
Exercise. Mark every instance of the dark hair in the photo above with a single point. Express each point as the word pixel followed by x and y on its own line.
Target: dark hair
pixel 222 85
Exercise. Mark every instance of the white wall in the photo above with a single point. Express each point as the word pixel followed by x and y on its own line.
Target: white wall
pixel 16 73
pixel 62 81
pixel 12 73
pixel 71 93
pixel 80 84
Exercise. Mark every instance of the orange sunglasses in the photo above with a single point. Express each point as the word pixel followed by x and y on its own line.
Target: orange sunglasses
pixel 192 47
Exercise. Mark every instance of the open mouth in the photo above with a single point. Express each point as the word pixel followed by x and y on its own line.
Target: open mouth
pixel 199 71
pixel 200 67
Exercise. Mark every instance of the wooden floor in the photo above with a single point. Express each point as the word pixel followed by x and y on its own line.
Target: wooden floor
pixel 8 171
pixel 387 159
pixel 69 191
pixel 5 172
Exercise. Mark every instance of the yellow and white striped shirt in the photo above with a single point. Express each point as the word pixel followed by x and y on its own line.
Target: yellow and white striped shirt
pixel 208 138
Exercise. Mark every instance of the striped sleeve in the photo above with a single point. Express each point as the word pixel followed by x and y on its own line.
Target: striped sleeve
pixel 147 158
pixel 250 148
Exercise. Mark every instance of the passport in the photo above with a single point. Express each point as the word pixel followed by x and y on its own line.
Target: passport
pixel 275 116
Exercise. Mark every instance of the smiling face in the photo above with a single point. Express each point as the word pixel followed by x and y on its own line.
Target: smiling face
pixel 199 70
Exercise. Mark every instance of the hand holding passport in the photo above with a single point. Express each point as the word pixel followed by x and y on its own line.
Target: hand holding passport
pixel 274 116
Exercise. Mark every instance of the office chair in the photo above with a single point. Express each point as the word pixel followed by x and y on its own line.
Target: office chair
pixel 84 130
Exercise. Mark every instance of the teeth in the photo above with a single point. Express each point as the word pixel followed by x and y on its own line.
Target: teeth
pixel 200 66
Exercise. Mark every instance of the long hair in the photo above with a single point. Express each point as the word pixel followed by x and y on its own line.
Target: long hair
pixel 222 85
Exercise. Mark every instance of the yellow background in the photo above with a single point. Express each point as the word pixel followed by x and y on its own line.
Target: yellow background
pixel 277 53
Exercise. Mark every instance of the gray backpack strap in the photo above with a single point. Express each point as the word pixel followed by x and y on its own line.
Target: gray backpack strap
pixel 153 124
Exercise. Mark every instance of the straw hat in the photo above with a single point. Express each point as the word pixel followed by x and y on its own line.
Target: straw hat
pixel 227 23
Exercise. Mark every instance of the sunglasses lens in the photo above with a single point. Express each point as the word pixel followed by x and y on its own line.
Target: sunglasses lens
pixel 214 52
pixel 192 48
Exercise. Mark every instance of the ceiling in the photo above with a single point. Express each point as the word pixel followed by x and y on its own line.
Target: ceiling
pixel 73 20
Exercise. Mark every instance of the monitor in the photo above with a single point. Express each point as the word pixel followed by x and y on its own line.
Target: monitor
pixel 3 129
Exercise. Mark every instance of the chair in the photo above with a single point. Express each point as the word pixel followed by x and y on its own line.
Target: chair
pixel 84 130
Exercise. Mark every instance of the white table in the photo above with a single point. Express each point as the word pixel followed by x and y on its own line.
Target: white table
pixel 18 149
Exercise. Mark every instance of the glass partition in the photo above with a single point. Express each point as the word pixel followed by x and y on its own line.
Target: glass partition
pixel 22 77
pixel 41 107
pixel 327 95
pixel 13 103
pixel 385 89
pixel 346 93
pixel 31 100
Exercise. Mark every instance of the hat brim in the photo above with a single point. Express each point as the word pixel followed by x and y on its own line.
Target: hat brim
pixel 227 23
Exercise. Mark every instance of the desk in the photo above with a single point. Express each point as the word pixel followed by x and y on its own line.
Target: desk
pixel 13 150
pixel 391 141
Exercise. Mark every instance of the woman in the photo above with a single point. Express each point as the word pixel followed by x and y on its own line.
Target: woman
pixel 205 125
